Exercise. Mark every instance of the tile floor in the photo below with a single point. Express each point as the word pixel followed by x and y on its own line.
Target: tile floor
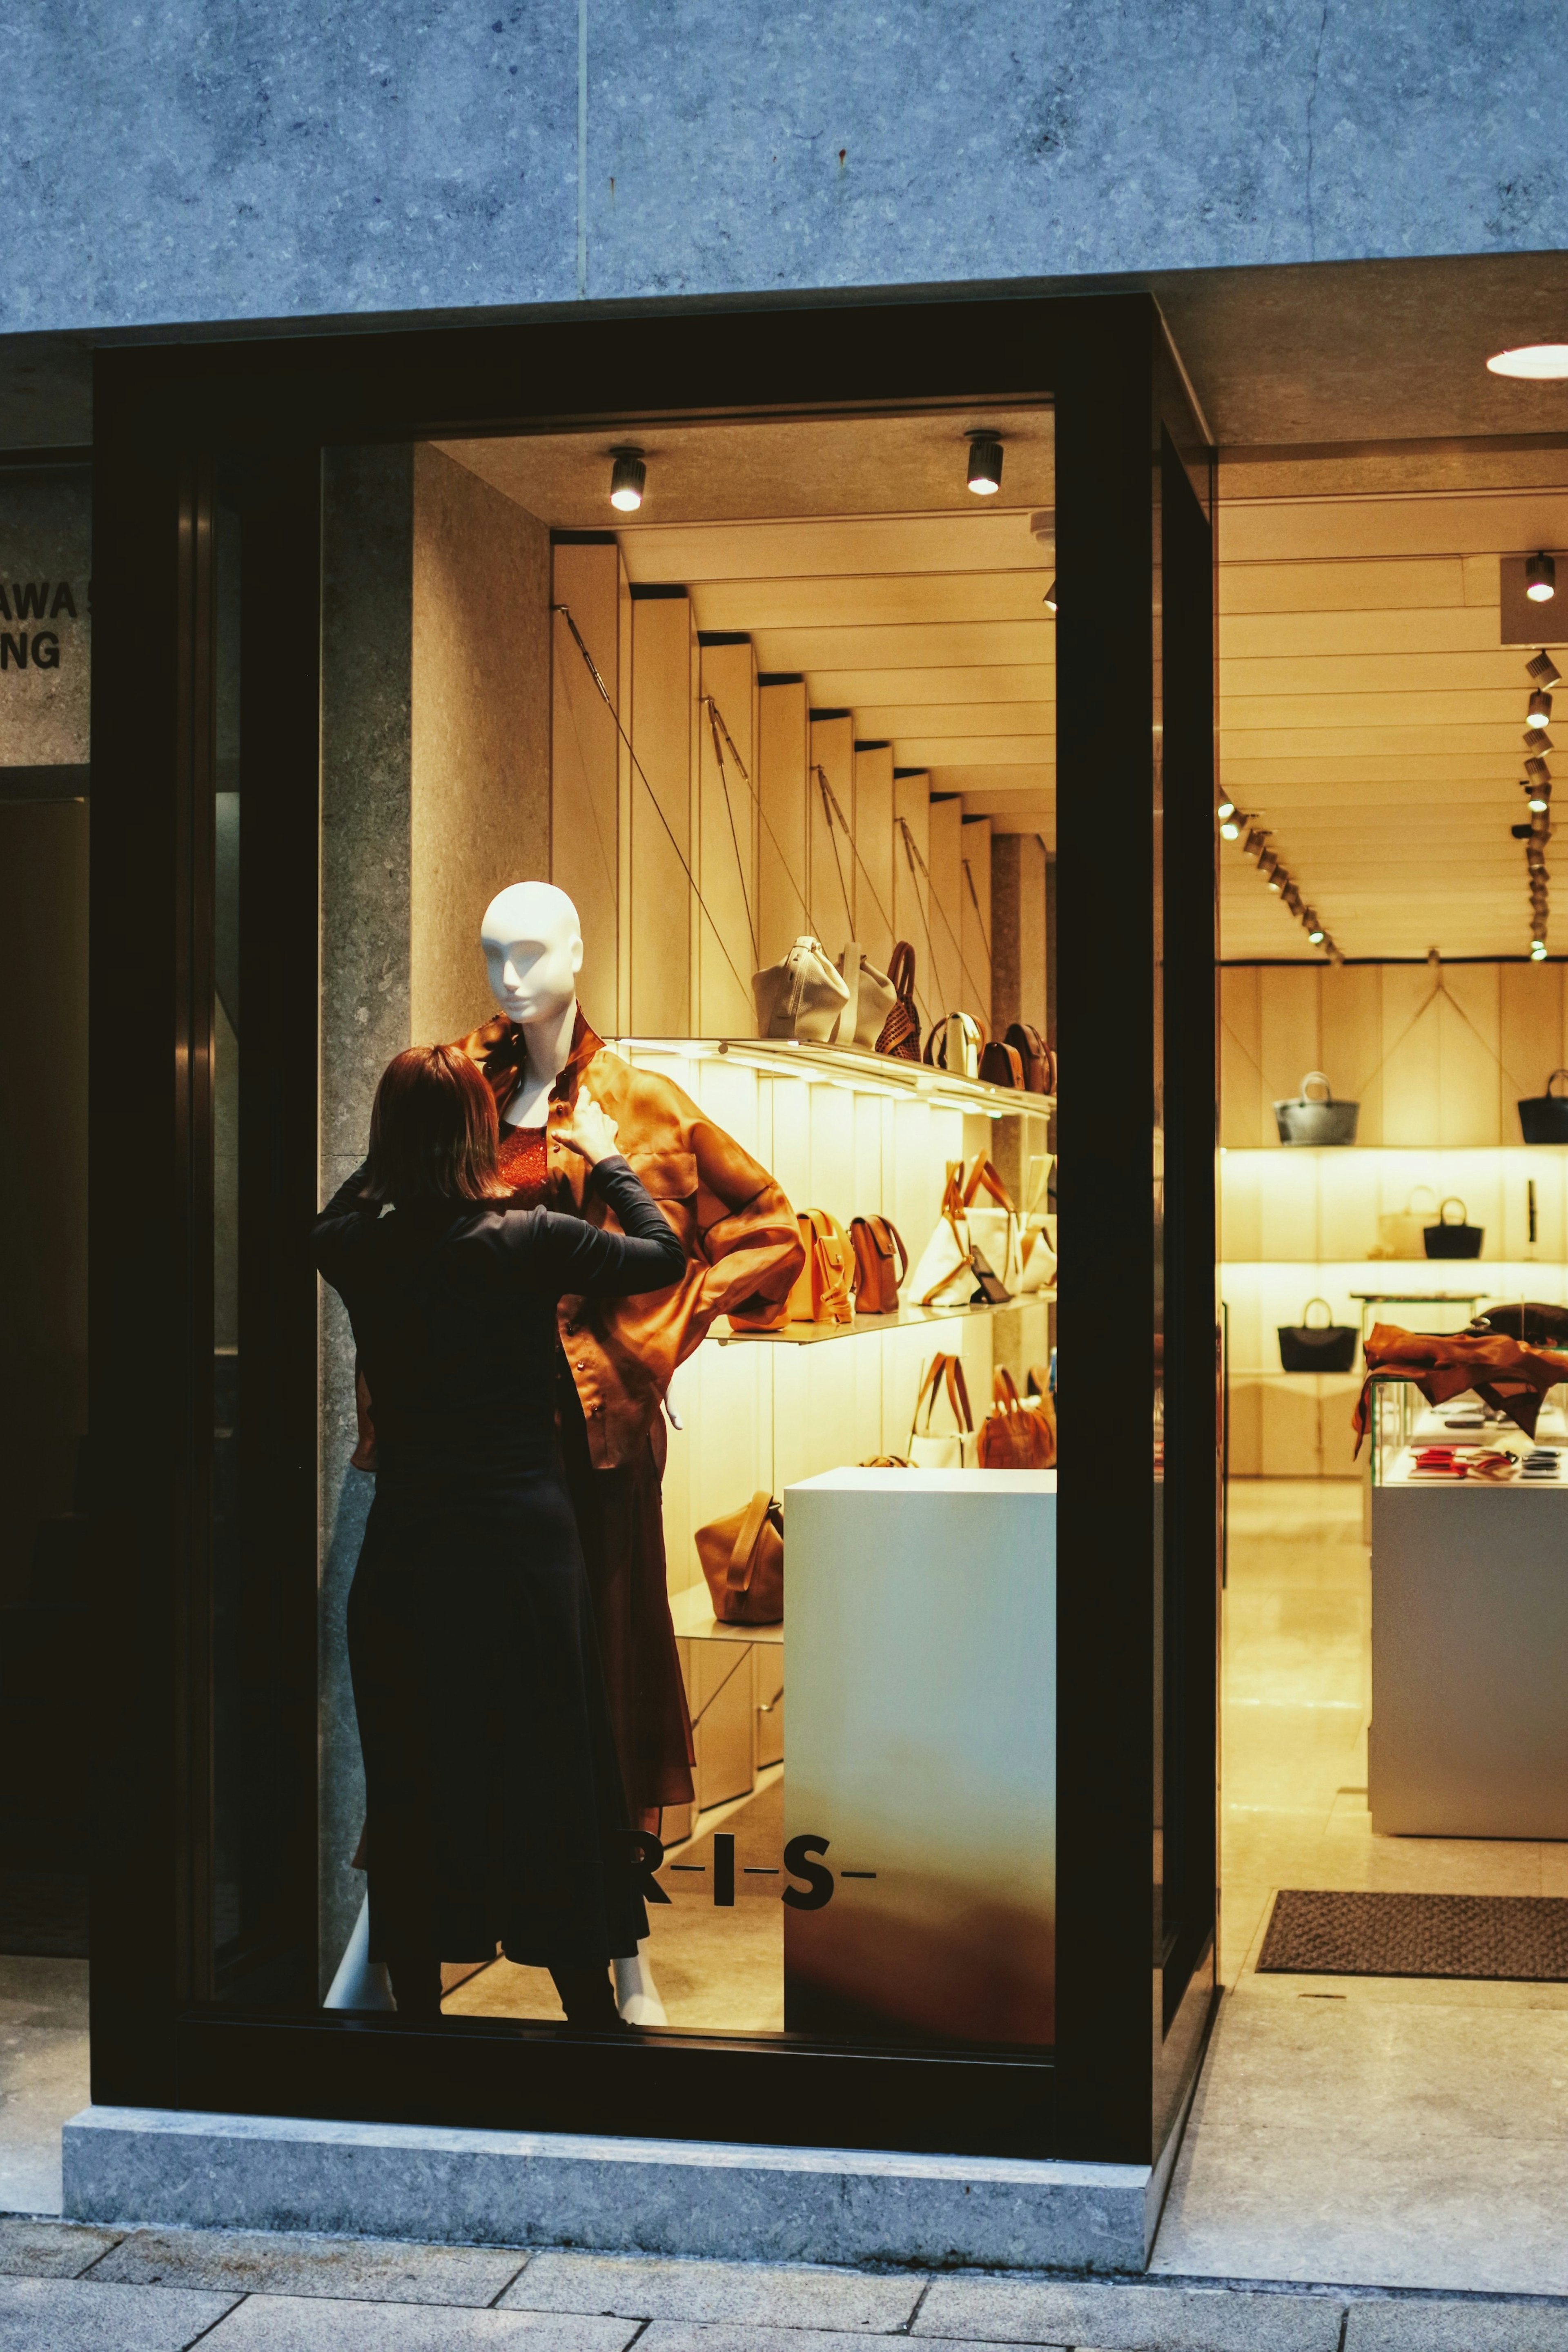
pixel 1368 2131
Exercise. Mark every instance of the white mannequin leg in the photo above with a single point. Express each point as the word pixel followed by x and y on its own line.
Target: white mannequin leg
pixel 361 1983
pixel 636 1994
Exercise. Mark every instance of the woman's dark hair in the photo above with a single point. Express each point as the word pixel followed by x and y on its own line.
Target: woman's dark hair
pixel 433 1131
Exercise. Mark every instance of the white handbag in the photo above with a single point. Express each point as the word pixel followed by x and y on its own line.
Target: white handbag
pixel 1038 1246
pixel 802 997
pixel 944 1276
pixel 872 998
pixel 943 1449
pixel 993 1223
pixel 955 1044
pixel 1402 1233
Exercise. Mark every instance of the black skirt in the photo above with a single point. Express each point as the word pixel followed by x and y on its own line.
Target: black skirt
pixel 495 1813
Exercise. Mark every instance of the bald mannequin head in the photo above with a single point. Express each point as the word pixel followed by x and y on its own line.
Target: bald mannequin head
pixel 533 951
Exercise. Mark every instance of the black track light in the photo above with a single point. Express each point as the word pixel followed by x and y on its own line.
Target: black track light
pixel 1540 579
pixel 1539 713
pixel 1254 845
pixel 1230 823
pixel 1521 832
pixel 1538 742
pixel 1050 600
pixel 628 480
pixel 985 464
pixel 1279 881
pixel 1315 931
pixel 1543 671
pixel 1227 808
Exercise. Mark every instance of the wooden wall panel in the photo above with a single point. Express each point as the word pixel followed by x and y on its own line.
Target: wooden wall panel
pixel 1290 1031
pixel 873 844
pixel 663 663
pixel 975 930
pixel 911 807
pixel 728 947
pixel 585 768
pixel 783 748
pixel 951 987
pixel 1241 1108
pixel 1351 1034
pixel 1412 1073
pixel 1469 1100
pixel 1532 1040
pixel 831 888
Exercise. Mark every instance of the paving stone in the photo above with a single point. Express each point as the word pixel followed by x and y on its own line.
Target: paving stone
pixel 52 2248
pixel 1130 2318
pixel 286 2323
pixel 691 2335
pixel 647 2287
pixel 261 2261
pixel 41 2315
pixel 1461 2324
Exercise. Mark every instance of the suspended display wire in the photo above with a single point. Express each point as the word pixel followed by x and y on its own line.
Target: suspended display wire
pixel 830 799
pixel 913 854
pixel 721 735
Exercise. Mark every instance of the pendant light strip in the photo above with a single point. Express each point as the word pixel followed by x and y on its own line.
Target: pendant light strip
pixel 1535 830
pixel 1235 825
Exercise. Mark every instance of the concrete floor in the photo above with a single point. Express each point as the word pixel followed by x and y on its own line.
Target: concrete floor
pixel 43 2075
pixel 1368 2131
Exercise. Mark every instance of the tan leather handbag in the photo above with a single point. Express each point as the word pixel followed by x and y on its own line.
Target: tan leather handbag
pixel 802 997
pixel 824 1286
pixel 742 1558
pixel 877 1241
pixel 1015 1435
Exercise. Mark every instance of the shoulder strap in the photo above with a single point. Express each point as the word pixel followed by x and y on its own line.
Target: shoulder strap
pixel 743 1559
pixel 958 1395
pixel 929 1385
pixel 1004 1390
pixel 984 1177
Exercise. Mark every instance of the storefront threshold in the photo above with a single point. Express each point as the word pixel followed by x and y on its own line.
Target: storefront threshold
pixel 664 2196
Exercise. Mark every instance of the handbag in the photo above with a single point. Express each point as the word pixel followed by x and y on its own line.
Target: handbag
pixel 1306 1347
pixel 1458 1240
pixel 743 1559
pixel 1014 1435
pixel 955 1046
pixel 823 1288
pixel 900 1033
pixel 1401 1232
pixel 952 1449
pixel 1001 1065
pixel 1531 1321
pixel 993 1224
pixel 872 998
pixel 944 1276
pixel 1544 1119
pixel 875 1242
pixel 802 997
pixel 1039 1058
pixel 1037 1241
pixel 1316 1121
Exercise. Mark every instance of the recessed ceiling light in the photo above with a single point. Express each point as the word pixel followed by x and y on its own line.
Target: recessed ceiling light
pixel 985 464
pixel 1540 579
pixel 628 480
pixel 1534 362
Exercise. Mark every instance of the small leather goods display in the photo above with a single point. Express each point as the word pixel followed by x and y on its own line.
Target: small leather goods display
pixel 994 1227
pixel 824 1287
pixel 742 1558
pixel 1452 1237
pixel 1015 1434
pixel 955 1045
pixel 1491 1466
pixel 881 1264
pixel 900 1031
pixel 1002 1065
pixel 1315 1119
pixel 1326 1347
pixel 871 997
pixel 804 996
pixel 1402 1233
pixel 1529 1319
pixel 944 1276
pixel 1544 1119
pixel 1039 1059
pixel 1037 1241
pixel 952 1448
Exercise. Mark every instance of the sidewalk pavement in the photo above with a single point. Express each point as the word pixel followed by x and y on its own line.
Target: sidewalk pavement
pixel 73 2287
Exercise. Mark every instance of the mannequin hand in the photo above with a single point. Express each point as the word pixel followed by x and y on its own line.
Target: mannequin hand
pixel 589 1131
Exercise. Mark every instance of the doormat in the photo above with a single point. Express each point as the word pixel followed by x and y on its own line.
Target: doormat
pixel 1512 1938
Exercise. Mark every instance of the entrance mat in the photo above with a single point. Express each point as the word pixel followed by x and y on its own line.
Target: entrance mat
pixel 1513 1938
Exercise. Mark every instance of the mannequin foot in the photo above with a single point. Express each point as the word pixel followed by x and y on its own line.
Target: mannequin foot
pixel 636 1994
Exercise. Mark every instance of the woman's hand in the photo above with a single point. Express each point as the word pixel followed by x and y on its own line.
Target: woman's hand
pixel 589 1131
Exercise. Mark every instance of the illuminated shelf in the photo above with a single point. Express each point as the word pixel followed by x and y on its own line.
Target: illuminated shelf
pixel 854 1068
pixel 1365 1150
pixel 903 1318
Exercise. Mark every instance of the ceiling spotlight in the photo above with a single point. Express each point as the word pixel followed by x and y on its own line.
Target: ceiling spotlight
pixel 1042 526
pixel 1538 951
pixel 1538 771
pixel 1227 808
pixel 1315 931
pixel 1534 362
pixel 986 464
pixel 1255 844
pixel 1051 598
pixel 1267 862
pixel 1539 714
pixel 1520 832
pixel 1540 579
pixel 1293 897
pixel 1543 670
pixel 1542 742
pixel 1279 881
pixel 628 477
pixel 1230 827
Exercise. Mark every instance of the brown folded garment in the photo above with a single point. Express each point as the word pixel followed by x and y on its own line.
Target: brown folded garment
pixel 1504 1373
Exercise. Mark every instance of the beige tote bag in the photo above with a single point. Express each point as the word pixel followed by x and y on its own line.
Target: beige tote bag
pixel 1037 1247
pixel 944 1276
pixel 802 997
pixel 951 1448
pixel 1402 1233
pixel 872 998
pixel 994 1229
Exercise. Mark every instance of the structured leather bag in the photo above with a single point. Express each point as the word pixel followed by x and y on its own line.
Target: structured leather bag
pixel 1316 1119
pixel 1037 1241
pixel 943 1449
pixel 742 1558
pixel 871 999
pixel 881 1264
pixel 994 1225
pixel 1015 1434
pixel 1002 1065
pixel 1326 1347
pixel 955 1044
pixel 824 1286
pixel 1544 1119
pixel 900 1033
pixel 1039 1058
pixel 1453 1238
pixel 1401 1233
pixel 804 996
pixel 944 1276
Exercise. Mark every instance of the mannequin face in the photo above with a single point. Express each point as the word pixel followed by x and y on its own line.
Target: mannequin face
pixel 533 951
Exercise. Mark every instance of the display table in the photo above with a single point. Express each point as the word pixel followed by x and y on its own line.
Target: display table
pixel 922 1766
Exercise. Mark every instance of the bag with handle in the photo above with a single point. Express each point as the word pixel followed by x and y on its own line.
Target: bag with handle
pixel 1037 1241
pixel 1015 1434
pixel 993 1223
pixel 943 1449
pixel 1402 1233
pixel 871 999
pixel 825 1284
pixel 1326 1347
pixel 1002 1065
pixel 1039 1059
pixel 1453 1237
pixel 1544 1119
pixel 1316 1118
pixel 955 1046
pixel 881 1264
pixel 944 1276
pixel 900 1033
pixel 804 996
pixel 742 1558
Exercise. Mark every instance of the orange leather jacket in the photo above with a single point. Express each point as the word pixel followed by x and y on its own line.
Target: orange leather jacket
pixel 743 1248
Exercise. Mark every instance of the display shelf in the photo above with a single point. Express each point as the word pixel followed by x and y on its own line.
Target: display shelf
pixel 853 1066
pixel 1365 1150
pixel 691 1612
pixel 903 1318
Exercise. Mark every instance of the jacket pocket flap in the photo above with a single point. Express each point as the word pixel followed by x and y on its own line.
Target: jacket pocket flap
pixel 667 1175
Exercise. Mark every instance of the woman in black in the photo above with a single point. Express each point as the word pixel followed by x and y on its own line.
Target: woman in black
pixel 493 1803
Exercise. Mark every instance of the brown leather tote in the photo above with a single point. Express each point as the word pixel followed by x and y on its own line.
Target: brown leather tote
pixel 900 1031
pixel 1002 1065
pixel 1038 1058
pixel 742 1558
pixel 823 1288
pixel 877 1240
pixel 1015 1435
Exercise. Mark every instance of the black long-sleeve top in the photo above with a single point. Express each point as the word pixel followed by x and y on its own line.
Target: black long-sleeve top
pixel 452 1308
